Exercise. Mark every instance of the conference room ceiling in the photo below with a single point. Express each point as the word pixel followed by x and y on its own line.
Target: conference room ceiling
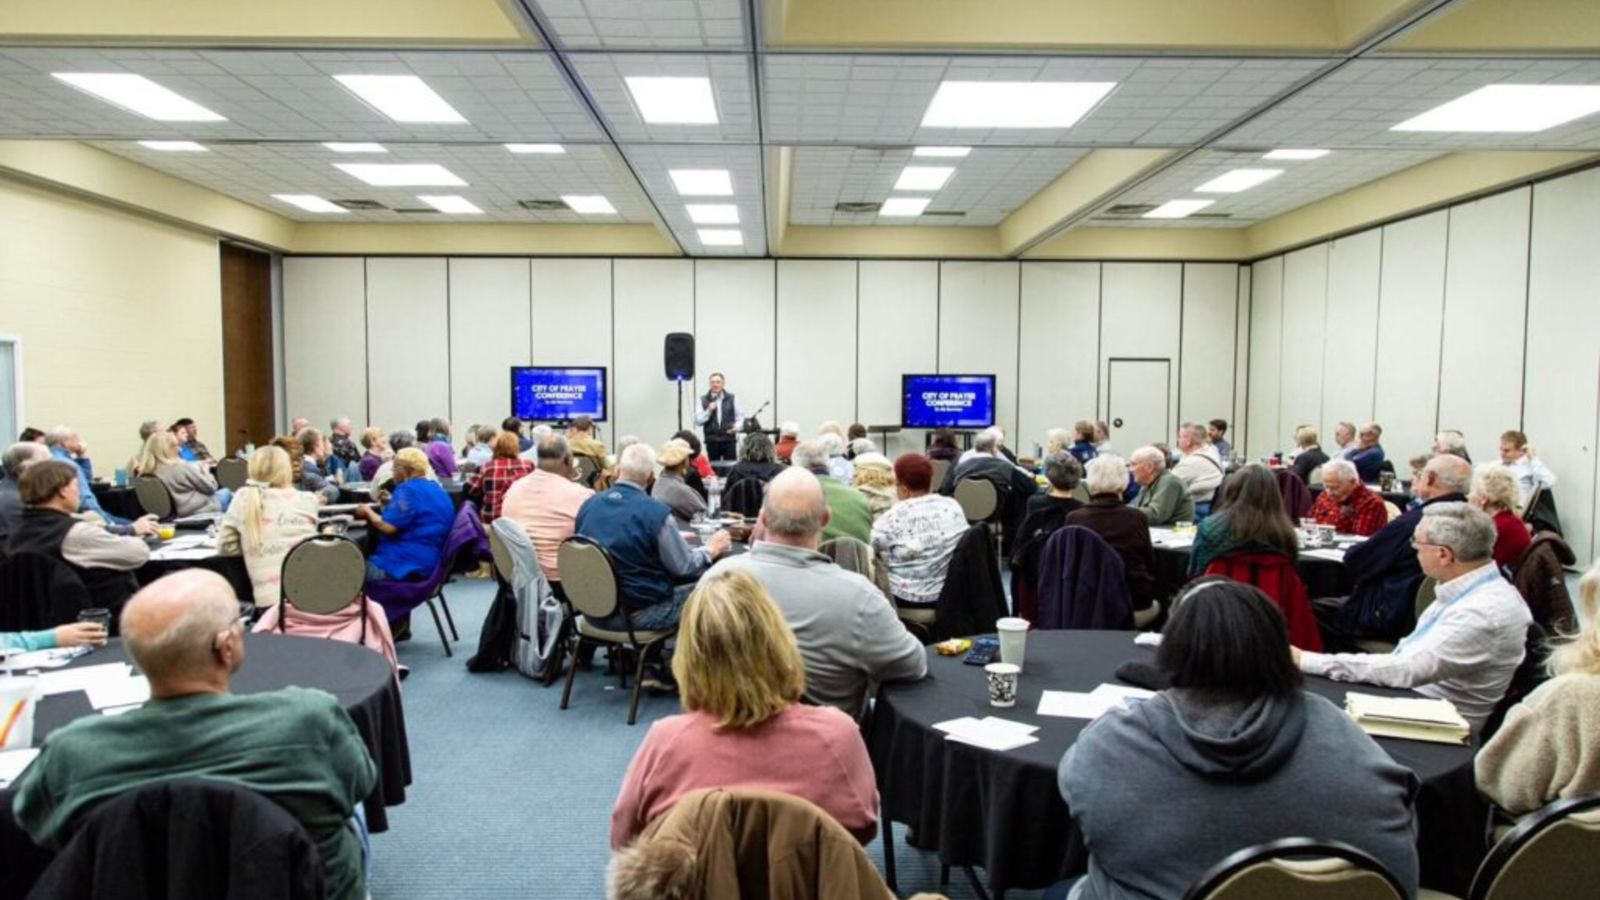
pixel 807 118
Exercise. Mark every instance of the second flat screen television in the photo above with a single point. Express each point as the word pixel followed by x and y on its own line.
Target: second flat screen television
pixel 558 393
pixel 947 401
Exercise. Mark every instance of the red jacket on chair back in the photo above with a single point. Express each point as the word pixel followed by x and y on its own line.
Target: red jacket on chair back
pixel 1274 575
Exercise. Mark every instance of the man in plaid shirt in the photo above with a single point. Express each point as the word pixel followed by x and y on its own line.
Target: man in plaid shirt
pixel 1347 504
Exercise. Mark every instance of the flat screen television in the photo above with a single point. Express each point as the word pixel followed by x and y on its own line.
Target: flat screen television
pixel 947 401
pixel 558 393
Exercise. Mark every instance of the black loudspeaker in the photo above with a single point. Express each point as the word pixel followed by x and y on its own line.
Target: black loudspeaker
pixel 678 355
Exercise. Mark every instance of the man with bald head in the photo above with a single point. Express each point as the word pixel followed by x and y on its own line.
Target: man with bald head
pixel 297 747
pixel 848 632
pixel 1382 604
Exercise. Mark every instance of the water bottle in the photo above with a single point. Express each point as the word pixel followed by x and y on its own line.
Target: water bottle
pixel 714 489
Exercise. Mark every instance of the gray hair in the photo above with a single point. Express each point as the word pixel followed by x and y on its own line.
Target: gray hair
pixel 985 442
pixel 539 431
pixel 1062 470
pixel 1450 441
pixel 810 455
pixel 22 453
pixel 1107 474
pixel 486 433
pixel 831 444
pixel 637 463
pixel 1060 437
pixel 59 435
pixel 1465 529
pixel 1196 433
pixel 552 448
pixel 1452 473
pixel 334 423
pixel 626 441
pixel 1342 469
pixel 1150 455
pixel 789 429
pixel 1497 485
pixel 790 519
pixel 402 439
pixel 863 445
pixel 757 447
pixel 148 427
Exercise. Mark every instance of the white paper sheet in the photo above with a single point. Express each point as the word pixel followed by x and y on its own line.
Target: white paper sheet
pixel 1148 639
pixel 1121 692
pixel 1166 537
pixel 118 692
pixel 13 763
pixel 68 680
pixel 54 658
pixel 1331 553
pixel 1071 705
pixel 990 732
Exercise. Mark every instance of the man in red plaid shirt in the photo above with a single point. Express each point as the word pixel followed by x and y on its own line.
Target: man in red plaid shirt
pixel 1347 504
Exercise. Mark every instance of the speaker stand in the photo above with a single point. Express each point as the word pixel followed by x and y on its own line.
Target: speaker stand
pixel 680 404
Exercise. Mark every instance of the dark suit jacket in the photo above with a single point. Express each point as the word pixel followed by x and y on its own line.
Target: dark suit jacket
pixel 1128 532
pixel 1387 574
pixel 1308 462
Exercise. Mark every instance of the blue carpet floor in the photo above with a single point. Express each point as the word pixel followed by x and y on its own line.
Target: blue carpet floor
pixel 511 795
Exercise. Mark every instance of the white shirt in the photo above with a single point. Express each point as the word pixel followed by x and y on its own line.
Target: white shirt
pixel 1464 649
pixel 1531 473
pixel 1200 472
pixel 917 537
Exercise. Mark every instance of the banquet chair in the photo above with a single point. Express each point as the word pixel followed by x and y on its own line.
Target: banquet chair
pixel 1302 868
pixel 1391 510
pixel 1553 852
pixel 154 497
pixel 589 579
pixel 587 470
pixel 232 473
pixel 978 498
pixel 941 467
pixel 39 592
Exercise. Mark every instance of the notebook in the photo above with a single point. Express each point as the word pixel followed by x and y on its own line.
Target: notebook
pixel 1408 718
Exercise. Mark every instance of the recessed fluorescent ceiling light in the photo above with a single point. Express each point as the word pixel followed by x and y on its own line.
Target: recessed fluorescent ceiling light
pixel 1238 180
pixel 402 174
pixel 451 203
pixel 138 94
pixel 1177 209
pixel 904 206
pixel 403 98
pixel 1509 107
pixel 941 151
pixel 310 203
pixel 174 146
pixel 923 178
pixel 713 213
pixel 355 147
pixel 1297 154
pixel 536 148
pixel 674 101
pixel 589 204
pixel 1013 104
pixel 702 182
pixel 721 237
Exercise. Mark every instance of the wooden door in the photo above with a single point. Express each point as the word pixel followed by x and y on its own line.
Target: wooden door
pixel 246 349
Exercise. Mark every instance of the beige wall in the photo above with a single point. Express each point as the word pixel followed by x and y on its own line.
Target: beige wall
pixel 119 315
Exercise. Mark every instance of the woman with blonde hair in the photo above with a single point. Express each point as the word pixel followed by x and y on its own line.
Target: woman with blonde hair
pixel 740 677
pixel 376 445
pixel 193 489
pixel 1494 490
pixel 413 525
pixel 266 519
pixel 875 477
pixel 1548 747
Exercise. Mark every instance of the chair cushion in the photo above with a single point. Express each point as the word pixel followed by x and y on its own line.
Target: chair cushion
pixel 917 615
pixel 594 632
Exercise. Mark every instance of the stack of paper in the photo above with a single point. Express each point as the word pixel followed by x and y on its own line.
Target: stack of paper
pixel 54 658
pixel 1166 537
pixel 1075 705
pixel 1411 718
pixel 82 678
pixel 989 732
pixel 1335 554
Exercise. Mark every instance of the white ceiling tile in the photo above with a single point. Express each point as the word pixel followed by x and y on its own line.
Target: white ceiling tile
pixel 603 75
pixel 646 24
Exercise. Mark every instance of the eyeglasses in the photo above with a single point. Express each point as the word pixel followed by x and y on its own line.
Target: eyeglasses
pixel 247 614
pixel 1417 545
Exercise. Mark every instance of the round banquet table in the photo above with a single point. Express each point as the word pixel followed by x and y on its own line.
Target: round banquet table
pixel 1001 811
pixel 1323 577
pixel 359 677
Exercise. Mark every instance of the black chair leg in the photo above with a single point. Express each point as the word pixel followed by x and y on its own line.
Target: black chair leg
pixel 638 681
pixel 944 874
pixel 454 634
pixel 443 637
pixel 977 884
pixel 572 672
pixel 888 851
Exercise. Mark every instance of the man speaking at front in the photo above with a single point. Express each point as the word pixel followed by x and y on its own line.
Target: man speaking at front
pixel 720 415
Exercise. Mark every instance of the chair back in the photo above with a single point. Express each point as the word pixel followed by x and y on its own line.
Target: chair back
pixel 941 467
pixel 1391 510
pixel 1082 583
pixel 232 473
pixel 1554 852
pixel 587 470
pixel 1274 575
pixel 323 574
pixel 1302 868
pixel 1539 576
pixel 588 577
pixel 1297 499
pixel 745 497
pixel 978 498
pixel 39 592
pixel 504 565
pixel 153 496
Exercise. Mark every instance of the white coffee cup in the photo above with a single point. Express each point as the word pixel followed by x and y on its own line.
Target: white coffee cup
pixel 18 698
pixel 1002 678
pixel 1013 639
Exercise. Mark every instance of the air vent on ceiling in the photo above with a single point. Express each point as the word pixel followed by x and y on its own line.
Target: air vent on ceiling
pixel 416 211
pixel 943 212
pixel 360 204
pixel 857 206
pixel 544 205
pixel 1210 215
pixel 1130 209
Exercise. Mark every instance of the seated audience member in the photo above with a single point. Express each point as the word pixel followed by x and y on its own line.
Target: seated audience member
pixel 1124 527
pixel 608 475
pixel 788 436
pixel 376 451
pixel 265 520
pixel 31 435
pixel 849 636
pixel 193 489
pixel 481 450
pixel 189 447
pixel 1494 490
pixel 1237 736
pixel 1345 503
pixel 917 537
pixel 1057 440
pixel 441 456
pixel 838 466
pixel 1199 467
pixel 490 483
pixel 546 502
pixel 515 426
pixel 742 677
pixel 1102 439
pixel 580 437
pixel 297 747
pixel 1309 456
pixel 1251 520
pixel 77 634
pixel 1344 435
pixel 647 548
pixel 317 456
pixel 413 525
pixel 1162 499
pixel 146 428
pixel 997 436
pixel 1385 567
pixel 18 456
pixel 670 487
pixel 1046 511
pixel 306 477
pixel 1531 473
pixel 942 446
pixel 340 440
pixel 849 513
pixel 875 478
pixel 1548 747
pixel 299 424
pixel 1417 464
pixel 1083 448
pixel 700 465
pixel 1215 431
pixel 755 461
pixel 66 445
pixel 1469 641
pixel 1368 453
pixel 103 561
pixel 1452 442
pixel 856 432
pixel 398 440
pixel 1013 485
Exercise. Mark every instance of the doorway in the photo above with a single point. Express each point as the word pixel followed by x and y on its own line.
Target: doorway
pixel 247 377
pixel 1139 402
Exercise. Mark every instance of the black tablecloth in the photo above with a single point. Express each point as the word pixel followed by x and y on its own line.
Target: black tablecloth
pixel 1002 811
pixel 1323 577
pixel 359 677
pixel 229 567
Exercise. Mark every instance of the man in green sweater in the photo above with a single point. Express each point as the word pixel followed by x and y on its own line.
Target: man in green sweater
pixel 1162 497
pixel 849 515
pixel 297 747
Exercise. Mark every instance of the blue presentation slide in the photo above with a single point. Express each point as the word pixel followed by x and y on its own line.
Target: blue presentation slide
pixel 545 394
pixel 948 401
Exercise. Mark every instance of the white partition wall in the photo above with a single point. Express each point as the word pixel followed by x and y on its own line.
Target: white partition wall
pixel 978 308
pixel 1410 316
pixel 571 319
pixel 488 335
pixel 816 329
pixel 1266 355
pixel 735 320
pixel 899 329
pixel 1241 363
pixel 408 365
pixel 652 297
pixel 1350 338
pixel 1060 348
pixel 1305 307
pixel 325 338
pixel 1205 382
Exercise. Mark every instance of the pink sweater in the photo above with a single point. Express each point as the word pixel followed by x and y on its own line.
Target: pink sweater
pixel 812 752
